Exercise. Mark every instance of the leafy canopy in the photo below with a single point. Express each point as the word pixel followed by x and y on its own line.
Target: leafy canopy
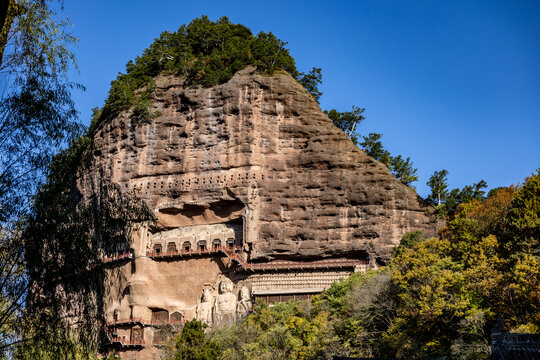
pixel 401 168
pixel 445 201
pixel 438 183
pixel 37 118
pixel 193 344
pixel 347 121
pixel 205 53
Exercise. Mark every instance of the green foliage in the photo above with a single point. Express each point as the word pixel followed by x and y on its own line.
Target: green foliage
pixel 471 192
pixel 311 82
pixel 438 184
pixel 514 294
pixel 37 118
pixel 438 298
pixel 446 202
pixel 193 344
pixel 37 115
pixel 524 218
pixel 288 330
pixel 374 148
pixel 57 345
pixel 401 168
pixel 347 121
pixel 270 54
pixel 13 288
pixel 205 53
pixel 65 236
pixel 35 42
pixel 408 241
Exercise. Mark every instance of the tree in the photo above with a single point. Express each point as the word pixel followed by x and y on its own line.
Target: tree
pixel 438 183
pixel 205 53
pixel 443 297
pixel 37 118
pixel 13 289
pixel 447 201
pixel 461 196
pixel 524 219
pixel 271 54
pixel 311 82
pixel 193 344
pixel 347 121
pixel 374 148
pixel 473 192
pixel 9 9
pixel 408 241
pixel 401 168
pixel 37 115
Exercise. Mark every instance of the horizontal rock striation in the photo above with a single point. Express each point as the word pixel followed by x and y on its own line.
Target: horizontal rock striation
pixel 258 148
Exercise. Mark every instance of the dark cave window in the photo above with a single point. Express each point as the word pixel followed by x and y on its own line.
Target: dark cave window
pixel 186 246
pixel 201 244
pixel 171 247
pixel 160 316
pixel 177 318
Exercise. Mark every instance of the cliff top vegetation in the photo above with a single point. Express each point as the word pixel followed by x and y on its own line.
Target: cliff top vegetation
pixel 205 53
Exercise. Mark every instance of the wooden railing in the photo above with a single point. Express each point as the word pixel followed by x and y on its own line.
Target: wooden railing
pixel 126 322
pixel 166 322
pixel 123 341
pixel 140 321
pixel 191 252
pixel 118 257
pixel 233 253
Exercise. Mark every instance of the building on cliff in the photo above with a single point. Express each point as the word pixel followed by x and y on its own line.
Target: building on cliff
pixel 255 195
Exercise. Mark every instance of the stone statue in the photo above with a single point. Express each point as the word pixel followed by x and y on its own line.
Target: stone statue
pixel 204 309
pixel 225 304
pixel 244 306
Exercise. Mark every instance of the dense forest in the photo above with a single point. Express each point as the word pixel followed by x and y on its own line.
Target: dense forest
pixel 438 297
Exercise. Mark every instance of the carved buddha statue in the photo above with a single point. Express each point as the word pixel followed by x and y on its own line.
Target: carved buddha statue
pixel 245 305
pixel 225 304
pixel 204 309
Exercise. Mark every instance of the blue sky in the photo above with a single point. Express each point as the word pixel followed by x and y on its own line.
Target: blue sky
pixel 452 84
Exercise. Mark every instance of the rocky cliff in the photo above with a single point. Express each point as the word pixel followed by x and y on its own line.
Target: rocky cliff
pixel 257 148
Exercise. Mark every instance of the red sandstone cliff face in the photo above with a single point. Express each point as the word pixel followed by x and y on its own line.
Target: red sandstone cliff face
pixel 260 149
